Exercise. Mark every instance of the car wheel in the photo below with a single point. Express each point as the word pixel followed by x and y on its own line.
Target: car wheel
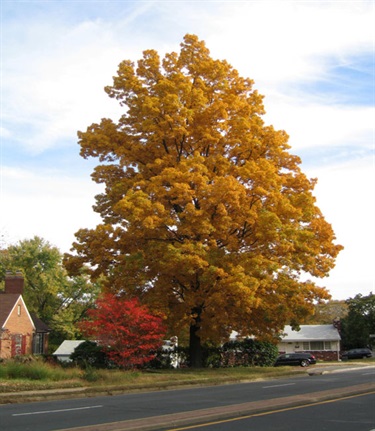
pixel 305 363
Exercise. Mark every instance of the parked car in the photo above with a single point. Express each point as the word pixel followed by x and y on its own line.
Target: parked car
pixel 357 354
pixel 302 359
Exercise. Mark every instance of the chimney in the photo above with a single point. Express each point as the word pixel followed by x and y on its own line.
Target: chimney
pixel 14 282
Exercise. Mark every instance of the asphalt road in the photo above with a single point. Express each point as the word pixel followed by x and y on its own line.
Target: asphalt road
pixel 148 408
pixel 347 414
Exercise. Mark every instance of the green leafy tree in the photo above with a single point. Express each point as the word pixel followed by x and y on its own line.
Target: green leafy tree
pixel 43 273
pixel 57 299
pixel 358 326
pixel 328 312
pixel 207 217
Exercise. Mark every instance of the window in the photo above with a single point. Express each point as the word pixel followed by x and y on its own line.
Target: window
pixel 19 310
pixel 316 345
pixel 38 343
pixel 18 345
pixel 327 345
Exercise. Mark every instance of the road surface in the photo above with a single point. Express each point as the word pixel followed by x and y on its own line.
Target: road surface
pixel 156 410
pixel 355 412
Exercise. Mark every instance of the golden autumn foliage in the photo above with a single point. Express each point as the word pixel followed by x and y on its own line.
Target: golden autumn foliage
pixel 207 217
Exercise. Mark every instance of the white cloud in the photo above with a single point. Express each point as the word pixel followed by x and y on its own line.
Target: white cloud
pixel 55 71
pixel 4 133
pixel 46 204
pixel 63 89
pixel 312 125
pixel 346 195
pixel 278 42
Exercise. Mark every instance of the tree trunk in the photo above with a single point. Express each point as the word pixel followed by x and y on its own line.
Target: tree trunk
pixel 195 348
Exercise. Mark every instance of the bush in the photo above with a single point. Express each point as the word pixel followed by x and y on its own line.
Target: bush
pixel 244 353
pixel 25 367
pixel 89 354
pixel 248 352
pixel 162 360
pixel 90 374
pixel 212 357
pixel 32 369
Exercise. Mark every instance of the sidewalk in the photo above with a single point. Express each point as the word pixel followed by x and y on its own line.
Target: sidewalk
pixel 337 368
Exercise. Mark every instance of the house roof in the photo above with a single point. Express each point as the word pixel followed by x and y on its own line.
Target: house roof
pixel 67 347
pixel 311 333
pixel 40 326
pixel 7 303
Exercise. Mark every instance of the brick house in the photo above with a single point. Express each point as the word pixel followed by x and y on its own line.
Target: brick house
pixel 21 333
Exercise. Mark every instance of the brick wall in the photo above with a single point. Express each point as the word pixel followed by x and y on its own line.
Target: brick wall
pixel 18 323
pixel 320 355
pixel 14 283
pixel 325 355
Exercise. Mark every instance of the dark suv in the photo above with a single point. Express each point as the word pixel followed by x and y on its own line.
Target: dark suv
pixel 357 354
pixel 302 359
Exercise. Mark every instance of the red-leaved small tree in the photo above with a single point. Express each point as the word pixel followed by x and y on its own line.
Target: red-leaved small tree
pixel 125 329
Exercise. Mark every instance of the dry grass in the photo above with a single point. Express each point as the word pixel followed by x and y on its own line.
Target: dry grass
pixel 37 375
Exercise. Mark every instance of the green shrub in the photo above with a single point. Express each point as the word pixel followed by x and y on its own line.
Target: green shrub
pixel 35 369
pixel 89 354
pixel 30 371
pixel 37 372
pixel 90 374
pixel 212 358
pixel 238 353
pixel 13 370
pixel 3 371
pixel 247 353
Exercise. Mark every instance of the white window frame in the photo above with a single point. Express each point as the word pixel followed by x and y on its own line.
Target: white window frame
pixel 325 345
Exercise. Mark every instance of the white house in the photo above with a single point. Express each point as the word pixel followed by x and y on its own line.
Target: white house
pixel 321 340
pixel 65 349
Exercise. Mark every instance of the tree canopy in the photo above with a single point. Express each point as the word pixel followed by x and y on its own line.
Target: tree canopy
pixel 206 215
pixel 59 300
pixel 41 265
pixel 328 312
pixel 358 327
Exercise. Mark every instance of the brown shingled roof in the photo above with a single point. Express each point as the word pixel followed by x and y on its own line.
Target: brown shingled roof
pixel 40 326
pixel 7 302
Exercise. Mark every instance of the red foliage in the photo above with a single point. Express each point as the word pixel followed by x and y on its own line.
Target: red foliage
pixel 125 329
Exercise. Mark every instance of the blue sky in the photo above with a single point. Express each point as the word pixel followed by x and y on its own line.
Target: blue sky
pixel 313 62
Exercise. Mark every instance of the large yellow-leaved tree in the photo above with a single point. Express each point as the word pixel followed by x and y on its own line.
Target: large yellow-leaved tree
pixel 206 216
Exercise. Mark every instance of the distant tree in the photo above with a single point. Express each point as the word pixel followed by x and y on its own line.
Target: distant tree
pixel 206 215
pixel 44 275
pixel 125 330
pixel 57 299
pixel 328 312
pixel 78 296
pixel 359 324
